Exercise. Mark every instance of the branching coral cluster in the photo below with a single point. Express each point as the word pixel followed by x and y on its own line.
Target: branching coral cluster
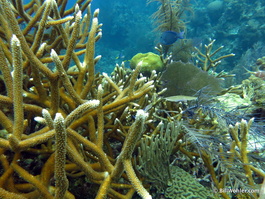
pixel 207 61
pixel 54 106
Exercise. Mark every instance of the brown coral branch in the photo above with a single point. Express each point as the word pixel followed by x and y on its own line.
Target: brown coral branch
pixel 17 88
pixel 137 184
pixel 100 115
pixel 102 158
pixel 91 104
pixel 244 130
pixel 66 82
pixel 9 195
pixel 6 73
pixel 90 53
pixel 124 159
pixel 20 9
pixel 72 42
pixel 41 26
pixel 84 166
pixel 104 188
pixel 207 61
pixel 6 122
pixel 34 20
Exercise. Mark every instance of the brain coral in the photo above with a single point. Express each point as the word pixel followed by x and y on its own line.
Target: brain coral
pixel 184 186
pixel 150 61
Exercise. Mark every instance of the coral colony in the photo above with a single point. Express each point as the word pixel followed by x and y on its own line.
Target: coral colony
pixel 68 132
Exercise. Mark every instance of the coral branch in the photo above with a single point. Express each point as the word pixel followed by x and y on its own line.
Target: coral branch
pixel 61 181
pixel 17 88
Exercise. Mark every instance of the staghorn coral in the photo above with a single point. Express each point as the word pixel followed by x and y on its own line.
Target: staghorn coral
pixel 45 99
pixel 207 60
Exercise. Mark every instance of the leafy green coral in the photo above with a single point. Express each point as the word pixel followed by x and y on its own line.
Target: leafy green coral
pixel 254 88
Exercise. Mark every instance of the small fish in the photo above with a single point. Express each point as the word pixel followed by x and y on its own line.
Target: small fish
pixel 180 98
pixel 120 56
pixel 170 37
pixel 259 73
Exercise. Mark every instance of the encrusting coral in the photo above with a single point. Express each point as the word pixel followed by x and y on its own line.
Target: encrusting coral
pixel 67 132
pixel 150 62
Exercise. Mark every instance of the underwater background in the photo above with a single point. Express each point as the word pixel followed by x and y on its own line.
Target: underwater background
pixel 128 29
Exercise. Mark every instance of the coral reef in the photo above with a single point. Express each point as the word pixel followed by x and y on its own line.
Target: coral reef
pixel 68 132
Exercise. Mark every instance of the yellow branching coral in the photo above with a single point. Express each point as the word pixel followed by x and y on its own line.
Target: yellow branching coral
pixel 45 99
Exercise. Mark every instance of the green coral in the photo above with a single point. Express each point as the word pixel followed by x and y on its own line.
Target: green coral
pixel 254 88
pixel 184 186
pixel 230 101
pixel 150 62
